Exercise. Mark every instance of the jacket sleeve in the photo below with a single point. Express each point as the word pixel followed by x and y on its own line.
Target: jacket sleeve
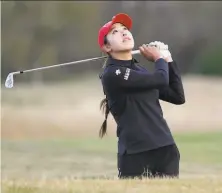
pixel 174 92
pixel 124 78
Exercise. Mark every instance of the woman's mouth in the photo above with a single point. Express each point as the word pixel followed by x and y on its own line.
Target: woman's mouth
pixel 126 38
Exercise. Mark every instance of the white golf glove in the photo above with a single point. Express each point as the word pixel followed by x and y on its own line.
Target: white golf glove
pixel 163 49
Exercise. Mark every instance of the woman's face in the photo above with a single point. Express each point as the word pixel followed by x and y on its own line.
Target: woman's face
pixel 119 39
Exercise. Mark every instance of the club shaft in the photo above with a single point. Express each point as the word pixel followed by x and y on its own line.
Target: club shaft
pixel 68 63
pixel 63 64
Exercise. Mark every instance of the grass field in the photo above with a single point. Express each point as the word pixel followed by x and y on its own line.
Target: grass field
pixel 205 185
pixel 69 165
pixel 55 149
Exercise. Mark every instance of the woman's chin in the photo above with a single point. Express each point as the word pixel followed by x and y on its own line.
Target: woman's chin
pixel 127 48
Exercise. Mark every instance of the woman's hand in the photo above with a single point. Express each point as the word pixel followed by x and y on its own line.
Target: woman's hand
pixel 163 50
pixel 150 53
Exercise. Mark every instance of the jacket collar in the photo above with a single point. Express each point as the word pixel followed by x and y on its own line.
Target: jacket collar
pixel 126 63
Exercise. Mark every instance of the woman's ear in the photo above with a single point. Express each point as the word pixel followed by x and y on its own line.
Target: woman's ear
pixel 106 48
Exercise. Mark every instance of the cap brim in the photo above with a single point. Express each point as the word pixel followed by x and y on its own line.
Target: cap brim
pixel 123 19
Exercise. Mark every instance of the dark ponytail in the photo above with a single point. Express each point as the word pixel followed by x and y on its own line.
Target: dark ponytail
pixel 105 108
pixel 104 105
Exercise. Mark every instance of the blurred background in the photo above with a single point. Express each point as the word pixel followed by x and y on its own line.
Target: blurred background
pixel 51 118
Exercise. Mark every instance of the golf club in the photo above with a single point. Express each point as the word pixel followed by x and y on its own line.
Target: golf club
pixel 9 83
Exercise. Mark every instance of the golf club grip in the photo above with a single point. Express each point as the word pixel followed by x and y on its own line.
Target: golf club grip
pixel 135 52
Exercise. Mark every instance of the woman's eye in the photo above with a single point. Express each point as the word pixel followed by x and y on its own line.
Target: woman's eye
pixel 125 28
pixel 114 31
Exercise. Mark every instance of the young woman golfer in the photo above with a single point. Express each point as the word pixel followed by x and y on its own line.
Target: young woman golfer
pixel 145 144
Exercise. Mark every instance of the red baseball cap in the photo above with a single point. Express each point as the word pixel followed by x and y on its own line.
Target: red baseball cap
pixel 119 18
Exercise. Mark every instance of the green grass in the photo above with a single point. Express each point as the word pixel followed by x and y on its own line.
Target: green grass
pixel 61 157
pixel 203 148
pixel 69 165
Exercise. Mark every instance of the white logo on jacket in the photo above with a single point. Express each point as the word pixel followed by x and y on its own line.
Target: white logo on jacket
pixel 118 72
pixel 126 76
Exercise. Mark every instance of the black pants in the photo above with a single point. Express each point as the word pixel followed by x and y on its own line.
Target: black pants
pixel 161 162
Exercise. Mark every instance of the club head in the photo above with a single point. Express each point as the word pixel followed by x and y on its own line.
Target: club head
pixel 9 81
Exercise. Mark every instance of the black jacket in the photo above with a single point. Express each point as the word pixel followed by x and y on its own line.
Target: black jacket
pixel 133 96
